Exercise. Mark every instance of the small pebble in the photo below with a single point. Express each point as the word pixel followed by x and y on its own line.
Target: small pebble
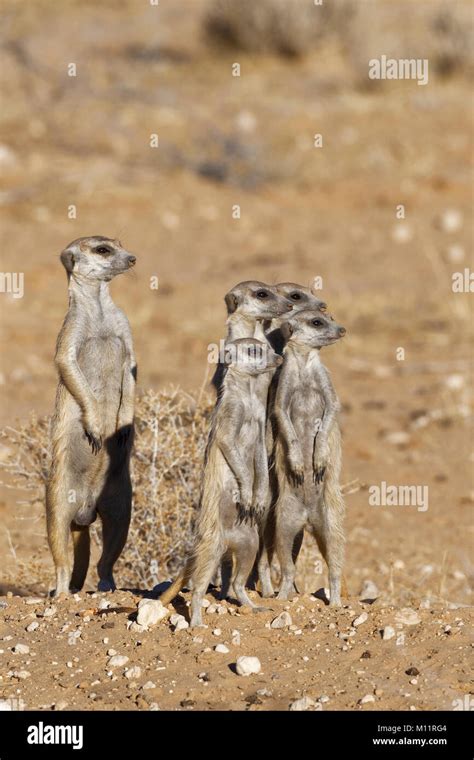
pixel 283 620
pixel 117 661
pixel 221 648
pixel 360 619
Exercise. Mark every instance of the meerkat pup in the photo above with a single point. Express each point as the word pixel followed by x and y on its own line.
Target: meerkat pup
pixel 235 480
pixel 308 451
pixel 92 427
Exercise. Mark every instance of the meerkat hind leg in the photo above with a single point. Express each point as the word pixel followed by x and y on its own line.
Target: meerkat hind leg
pixel 244 545
pixel 58 526
pixel 81 543
pixel 291 520
pixel 115 516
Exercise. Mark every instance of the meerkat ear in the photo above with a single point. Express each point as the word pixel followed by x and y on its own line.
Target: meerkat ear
pixel 286 330
pixel 68 260
pixel 231 301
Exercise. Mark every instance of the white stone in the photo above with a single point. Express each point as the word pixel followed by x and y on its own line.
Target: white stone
pixel 32 626
pixel 150 612
pixel 21 649
pixel 305 703
pixel 407 616
pixel 369 590
pixel 402 233
pixel 451 220
pixel 216 632
pixel 246 666
pixel 367 698
pixel 133 672
pixel 235 638
pixel 5 705
pixel 117 661
pixel 362 618
pixel 181 625
pixel 222 649
pixel 149 685
pixel 49 611
pixel 104 604
pixel 388 633
pixel 283 620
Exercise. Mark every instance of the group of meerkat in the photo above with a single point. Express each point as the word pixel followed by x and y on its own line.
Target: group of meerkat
pixel 273 456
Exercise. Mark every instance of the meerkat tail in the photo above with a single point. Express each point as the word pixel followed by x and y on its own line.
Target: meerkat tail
pixel 208 538
pixel 169 594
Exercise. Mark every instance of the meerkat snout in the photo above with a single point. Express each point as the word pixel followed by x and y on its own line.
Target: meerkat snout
pixel 132 261
pixel 342 331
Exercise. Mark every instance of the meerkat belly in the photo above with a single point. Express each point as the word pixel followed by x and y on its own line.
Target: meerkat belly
pixel 101 359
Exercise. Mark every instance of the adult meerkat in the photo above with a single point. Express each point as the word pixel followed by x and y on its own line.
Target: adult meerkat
pixel 308 451
pixel 235 480
pixel 92 427
pixel 301 298
pixel 250 306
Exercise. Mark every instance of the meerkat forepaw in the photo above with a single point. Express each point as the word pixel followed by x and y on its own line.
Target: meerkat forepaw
pixel 95 442
pixel 318 474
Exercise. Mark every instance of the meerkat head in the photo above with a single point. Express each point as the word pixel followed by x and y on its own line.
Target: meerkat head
pixel 312 328
pixel 96 258
pixel 300 297
pixel 256 300
pixel 250 356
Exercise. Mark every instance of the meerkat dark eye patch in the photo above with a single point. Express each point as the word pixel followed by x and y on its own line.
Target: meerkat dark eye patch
pixel 295 296
pixel 317 322
pixel 103 249
pixel 262 294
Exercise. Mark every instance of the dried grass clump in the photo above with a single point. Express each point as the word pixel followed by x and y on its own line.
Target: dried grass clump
pixel 171 434
pixel 283 27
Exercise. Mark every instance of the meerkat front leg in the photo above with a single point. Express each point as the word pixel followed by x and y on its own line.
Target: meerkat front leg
pixel 226 435
pixel 77 385
pixel 288 432
pixel 127 402
pixel 321 449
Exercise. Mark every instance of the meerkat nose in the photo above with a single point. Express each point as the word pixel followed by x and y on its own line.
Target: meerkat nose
pixel 132 260
pixel 323 306
pixel 342 331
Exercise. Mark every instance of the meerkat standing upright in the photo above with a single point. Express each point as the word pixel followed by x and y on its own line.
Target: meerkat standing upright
pixel 308 451
pixel 235 480
pixel 92 428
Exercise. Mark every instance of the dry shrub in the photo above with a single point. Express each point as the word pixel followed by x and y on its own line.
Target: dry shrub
pixel 171 433
pixel 284 27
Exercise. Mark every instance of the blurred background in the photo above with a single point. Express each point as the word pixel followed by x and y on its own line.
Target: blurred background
pixel 305 211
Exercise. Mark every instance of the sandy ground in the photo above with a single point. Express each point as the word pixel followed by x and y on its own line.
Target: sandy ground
pixel 305 212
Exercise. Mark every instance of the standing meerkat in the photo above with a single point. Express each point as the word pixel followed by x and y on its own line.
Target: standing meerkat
pixel 235 480
pixel 308 451
pixel 92 427
pixel 301 298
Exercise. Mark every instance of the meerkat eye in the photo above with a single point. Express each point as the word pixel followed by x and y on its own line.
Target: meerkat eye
pixel 102 249
pixel 295 297
pixel 317 322
pixel 262 294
